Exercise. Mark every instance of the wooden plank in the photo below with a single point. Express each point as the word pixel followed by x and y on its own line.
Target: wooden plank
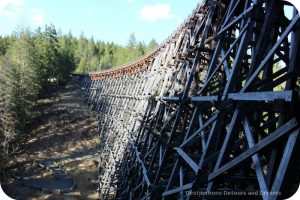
pixel 178 189
pixel 204 98
pixel 286 128
pixel 289 148
pixel 271 53
pixel 188 160
pixel 207 123
pixel 286 95
pixel 256 161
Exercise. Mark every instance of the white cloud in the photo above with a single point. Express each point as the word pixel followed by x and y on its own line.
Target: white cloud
pixel 11 8
pixel 9 14
pixel 37 17
pixel 156 12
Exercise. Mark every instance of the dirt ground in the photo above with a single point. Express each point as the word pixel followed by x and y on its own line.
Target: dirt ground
pixel 62 127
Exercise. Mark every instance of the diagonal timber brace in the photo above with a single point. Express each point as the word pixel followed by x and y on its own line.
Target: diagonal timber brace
pixel 215 108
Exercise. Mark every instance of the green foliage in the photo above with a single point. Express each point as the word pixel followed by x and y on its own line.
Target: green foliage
pixel 152 45
pixel 132 43
pixel 4 44
pixel 7 114
pixel 66 58
pixel 28 59
pixel 20 85
pixel 56 54
pixel 22 58
pixel 94 56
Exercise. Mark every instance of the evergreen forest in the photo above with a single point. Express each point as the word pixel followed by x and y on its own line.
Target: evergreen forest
pixel 28 59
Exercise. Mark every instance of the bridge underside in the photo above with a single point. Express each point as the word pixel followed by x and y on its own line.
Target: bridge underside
pixel 213 111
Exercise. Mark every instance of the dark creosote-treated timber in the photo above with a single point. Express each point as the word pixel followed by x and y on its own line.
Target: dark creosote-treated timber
pixel 212 111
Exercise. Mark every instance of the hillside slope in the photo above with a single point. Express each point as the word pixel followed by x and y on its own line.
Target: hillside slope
pixel 64 131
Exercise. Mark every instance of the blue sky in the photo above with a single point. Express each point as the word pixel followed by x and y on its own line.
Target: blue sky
pixel 108 20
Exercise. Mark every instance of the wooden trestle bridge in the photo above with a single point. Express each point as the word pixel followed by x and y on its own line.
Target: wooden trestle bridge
pixel 212 113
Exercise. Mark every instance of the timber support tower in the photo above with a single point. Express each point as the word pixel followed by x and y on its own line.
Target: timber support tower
pixel 214 110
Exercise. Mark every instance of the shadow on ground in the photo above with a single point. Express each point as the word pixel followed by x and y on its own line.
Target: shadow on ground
pixel 63 129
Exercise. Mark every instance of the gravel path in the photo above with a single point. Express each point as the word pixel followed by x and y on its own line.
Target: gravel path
pixel 60 152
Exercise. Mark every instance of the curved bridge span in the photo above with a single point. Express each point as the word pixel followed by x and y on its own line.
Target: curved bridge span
pixel 213 113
